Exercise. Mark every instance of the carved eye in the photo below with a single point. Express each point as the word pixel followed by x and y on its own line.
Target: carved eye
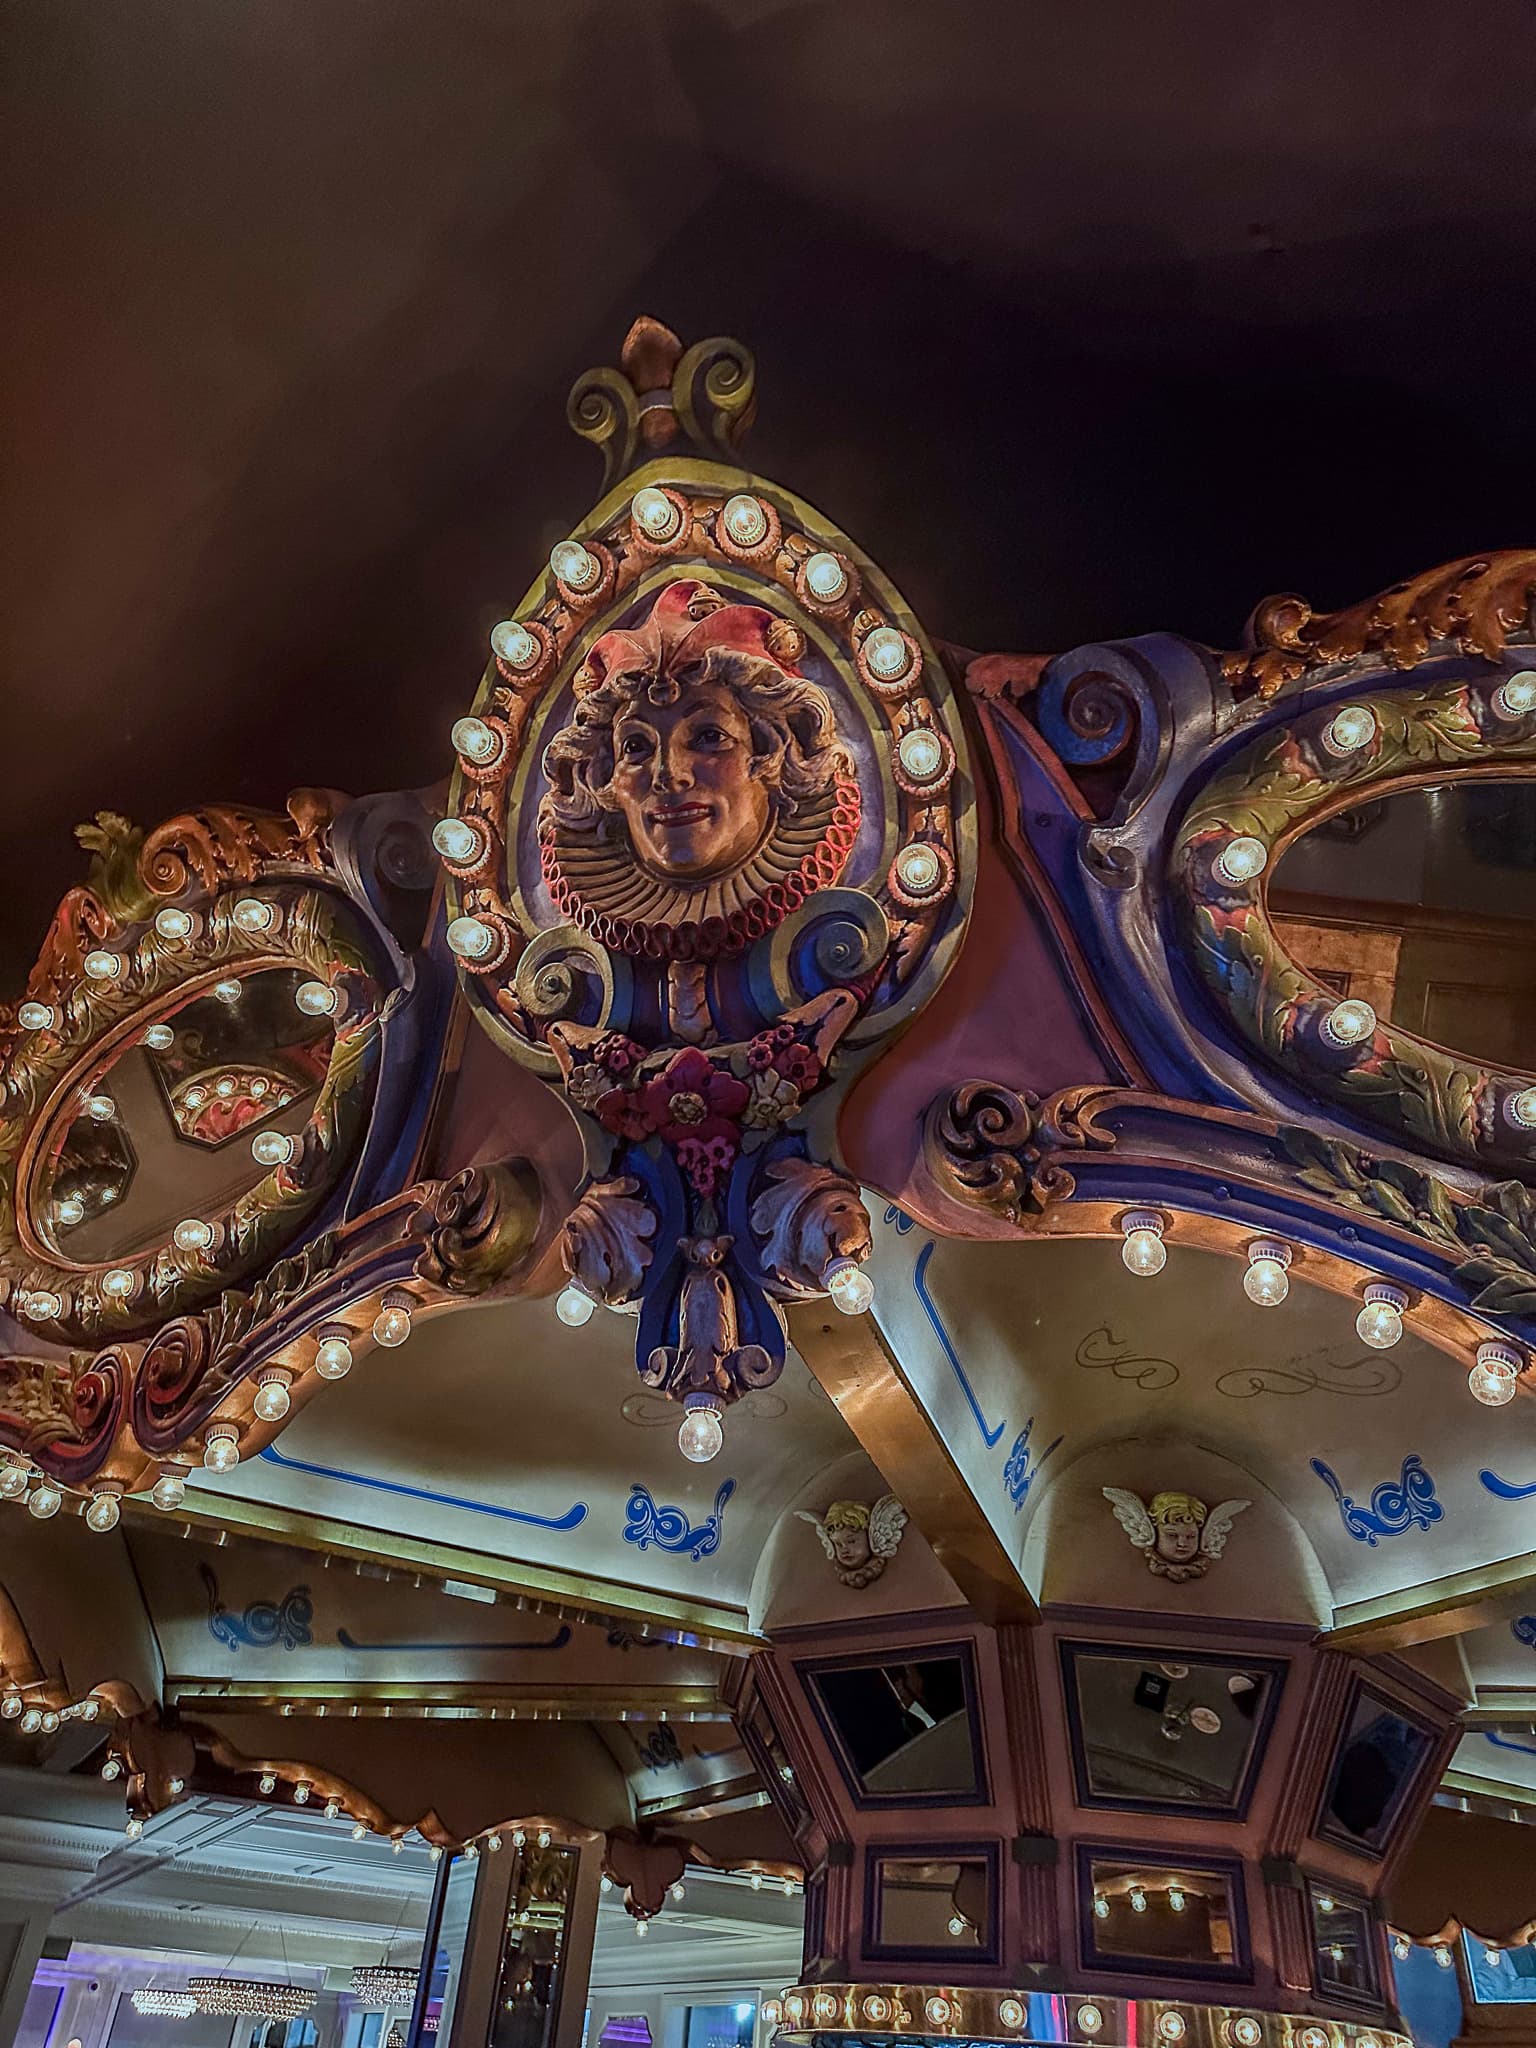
pixel 711 736
pixel 634 746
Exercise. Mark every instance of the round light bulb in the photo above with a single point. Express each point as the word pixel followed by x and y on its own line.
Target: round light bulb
pixel 1176 1898
pixel 221 1452
pixel 1266 1281
pixel 89 1708
pixel 825 578
pixel 656 515
pixel 13 1481
pixel 471 938
pixel 476 741
pixel 100 1109
pixel 117 1283
pixel 103 966
pixel 195 1098
pixel 1443 1957
pixel 273 1148
pixel 512 643
pixel 192 1234
pixel 493 1842
pixel 10 1706
pixel 1521 1109
pixel 44 1306
pixel 574 1306
pixel 700 1434
pixel 228 990
pixel 273 1400
pixel 159 1038
pixel 1380 1321
pixel 44 1500
pixel 1138 1899
pixel 1516 696
pixel 1401 1948
pixel 457 840
pixel 268 1782
pixel 1143 1250
pixel 316 998
pixel 919 869
pixel 104 1513
pixel 333 1361
pixel 921 753
pixel 1089 2018
pixel 31 1721
pixel 1350 729
pixel 252 915
pixel 359 1831
pixel 36 1016
pixel 133 1828
pixel 575 566
pixel 1011 2012
pixel 172 923
pixel 957 1925
pixel 168 1492
pixel 1495 1376
pixel 391 1326
pixel 332 1809
pixel 112 1768
pixel 1241 859
pixel 1349 1023
pixel 224 1086
pixel 745 520
pixel 677 1894
pixel 849 1286
pixel 301 1794
pixel 70 1211
pixel 1171 2025
pixel 886 654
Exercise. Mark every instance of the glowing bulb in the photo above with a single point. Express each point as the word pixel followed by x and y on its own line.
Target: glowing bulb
pixel 745 520
pixel 50 1721
pixel 1516 696
pixel 89 1708
pixel 1401 1946
pixel 457 840
pixel 641 1930
pixel 359 1831
pixel 436 1852
pixel 1011 2012
pixel 1443 1957
pixel 1176 1897
pixel 656 515
pixel 544 1838
pixel 1089 2018
pixel 957 1925
pixel 1265 1281
pixel 228 990
pixel 1246 2031
pixel 104 1513
pixel 333 1360
pixel 1349 1023
pixel 44 1306
pixel 1241 859
pixel 159 1038
pixel 112 1768
pixel 36 1016
pixel 605 1883
pixel 493 1843
pixel 1171 2026
pixel 471 938
pixel 1493 1957
pixel 221 1451
pixel 921 753
pixel 44 1500
pixel 397 1845
pixel 938 2011
pixel 1143 1251
pixel 919 869
pixel 192 1235
pixel 1100 1906
pixel 574 566
pixel 757 1880
pixel 31 1721
pixel 1138 1899
pixel 100 1109
pixel 1521 1109
pixel 195 1097
pixel 316 998
pixel 392 1325
pixel 273 1400
pixel 476 741
pixel 518 1839
pixel 268 1782
pixel 1350 729
pixel 273 1148
pixel 176 1786
pixel 849 1286
pixel 574 1306
pixel 677 1894
pixel 1380 1322
pixel 700 1433
pixel 1494 1377
pixel 103 966
pixel 13 1481
pixel 168 1492
pixel 887 654
pixel 224 1086
pixel 10 1706
pixel 172 923
pixel 332 1808
pixel 134 1827
pixel 825 578
pixel 512 643
pixel 301 1793
pixel 117 1283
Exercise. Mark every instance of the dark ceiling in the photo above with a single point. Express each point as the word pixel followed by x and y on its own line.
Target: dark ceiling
pixel 1085 319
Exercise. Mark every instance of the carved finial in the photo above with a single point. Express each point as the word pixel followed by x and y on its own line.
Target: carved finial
pixel 114 879
pixel 662 393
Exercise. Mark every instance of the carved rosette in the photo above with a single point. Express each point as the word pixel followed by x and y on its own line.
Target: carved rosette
pixel 985 1145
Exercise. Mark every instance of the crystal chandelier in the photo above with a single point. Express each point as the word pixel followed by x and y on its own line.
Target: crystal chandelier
pixel 166 2005
pixel 244 1995
pixel 383 1983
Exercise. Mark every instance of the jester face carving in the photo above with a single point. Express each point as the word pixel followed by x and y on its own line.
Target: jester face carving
pixel 688 784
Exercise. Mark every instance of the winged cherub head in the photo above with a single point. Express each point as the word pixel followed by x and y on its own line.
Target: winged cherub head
pixel 1179 1535
pixel 859 1537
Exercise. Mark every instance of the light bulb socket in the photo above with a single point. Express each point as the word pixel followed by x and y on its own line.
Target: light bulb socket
pixel 1271 1249
pixel 1383 1292
pixel 1143 1219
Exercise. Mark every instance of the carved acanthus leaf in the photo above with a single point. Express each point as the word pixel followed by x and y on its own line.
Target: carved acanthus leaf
pixel 606 1243
pixel 804 1216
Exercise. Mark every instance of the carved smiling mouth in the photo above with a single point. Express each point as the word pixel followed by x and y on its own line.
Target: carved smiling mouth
pixel 673 815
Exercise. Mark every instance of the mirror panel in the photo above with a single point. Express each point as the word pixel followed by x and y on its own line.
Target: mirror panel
pixel 1152 1735
pixel 937 1904
pixel 905 1732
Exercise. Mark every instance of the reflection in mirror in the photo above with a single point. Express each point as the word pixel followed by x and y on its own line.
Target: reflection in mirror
pixel 1379 1757
pixel 904 1730
pixel 939 1906
pixel 163 1133
pixel 526 2004
pixel 1184 1917
pixel 1151 1734
pixel 1344 1944
pixel 1423 904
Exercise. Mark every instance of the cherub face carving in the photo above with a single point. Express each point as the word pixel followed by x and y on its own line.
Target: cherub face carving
pixel 859 1536
pixel 1179 1536
pixel 685 778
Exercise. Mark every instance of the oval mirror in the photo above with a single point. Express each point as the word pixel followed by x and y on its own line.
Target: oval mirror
pixel 1423 904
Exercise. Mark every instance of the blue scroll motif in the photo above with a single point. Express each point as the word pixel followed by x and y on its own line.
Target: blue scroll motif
pixel 575 1514
pixel 1524 1630
pixel 1408 1503
pixel 1019 1474
pixel 264 1624
pixel 1505 1489
pixel 989 1437
pixel 900 1219
pixel 669 1528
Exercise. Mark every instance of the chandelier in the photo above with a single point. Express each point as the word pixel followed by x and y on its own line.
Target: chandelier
pixel 244 1995
pixel 166 2005
pixel 383 1983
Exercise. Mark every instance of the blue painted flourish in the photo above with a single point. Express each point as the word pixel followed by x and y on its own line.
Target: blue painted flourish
pixel 669 1528
pixel 264 1624
pixel 989 1437
pixel 557 1641
pixel 1019 1475
pixel 1505 1489
pixel 577 1512
pixel 1407 1503
pixel 900 1219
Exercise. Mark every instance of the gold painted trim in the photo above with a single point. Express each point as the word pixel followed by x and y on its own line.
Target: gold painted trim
pixel 319 1699
pixel 1439 1607
pixel 858 1370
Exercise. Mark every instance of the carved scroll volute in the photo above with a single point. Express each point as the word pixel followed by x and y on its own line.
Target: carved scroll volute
pixel 982 1144
pixel 478 1226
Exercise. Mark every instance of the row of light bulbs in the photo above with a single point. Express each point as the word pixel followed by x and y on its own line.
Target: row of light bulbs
pixel 1495 1373
pixel 952 2009
pixel 1136 1897
pixel 34 1720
